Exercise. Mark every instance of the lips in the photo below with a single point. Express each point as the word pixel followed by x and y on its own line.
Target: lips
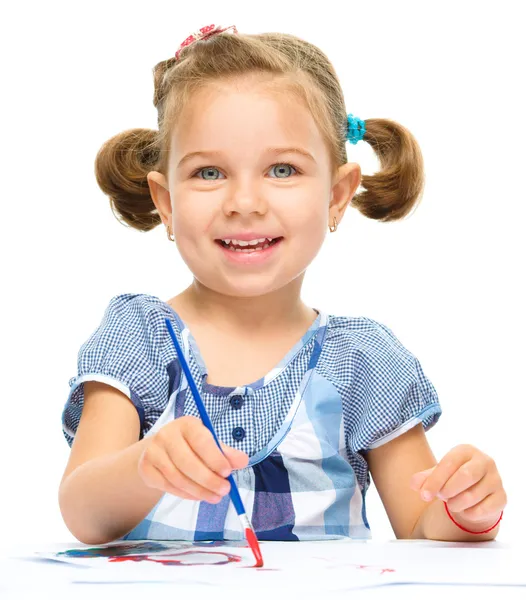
pixel 247 256
pixel 270 243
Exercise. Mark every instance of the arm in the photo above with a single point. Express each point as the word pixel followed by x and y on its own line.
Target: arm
pixel 392 467
pixel 101 495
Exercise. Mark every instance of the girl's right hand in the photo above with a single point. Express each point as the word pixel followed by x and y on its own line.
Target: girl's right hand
pixel 183 459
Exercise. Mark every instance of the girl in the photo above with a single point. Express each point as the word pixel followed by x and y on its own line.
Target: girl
pixel 247 169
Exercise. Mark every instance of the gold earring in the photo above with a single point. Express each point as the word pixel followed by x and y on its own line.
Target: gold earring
pixel 169 233
pixel 334 227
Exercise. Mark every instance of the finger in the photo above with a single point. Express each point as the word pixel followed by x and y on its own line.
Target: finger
pixel 202 442
pixel 490 508
pixel 166 486
pixel 451 462
pixel 418 479
pixel 236 458
pixel 191 465
pixel 471 496
pixel 178 480
pixel 467 475
pixel 153 478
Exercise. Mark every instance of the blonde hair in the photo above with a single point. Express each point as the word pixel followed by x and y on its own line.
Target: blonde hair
pixel 122 163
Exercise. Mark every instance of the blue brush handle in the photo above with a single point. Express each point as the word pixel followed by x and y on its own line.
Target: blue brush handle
pixel 234 492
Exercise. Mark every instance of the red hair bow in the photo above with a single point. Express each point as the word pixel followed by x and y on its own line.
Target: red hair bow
pixel 203 34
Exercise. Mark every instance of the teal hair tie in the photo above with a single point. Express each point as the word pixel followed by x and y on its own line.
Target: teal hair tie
pixel 355 129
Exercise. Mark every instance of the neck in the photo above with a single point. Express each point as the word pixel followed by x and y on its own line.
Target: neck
pixel 279 310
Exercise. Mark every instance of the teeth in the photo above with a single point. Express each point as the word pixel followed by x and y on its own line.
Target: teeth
pixel 247 243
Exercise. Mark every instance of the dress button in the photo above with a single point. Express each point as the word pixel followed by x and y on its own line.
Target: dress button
pixel 236 401
pixel 238 433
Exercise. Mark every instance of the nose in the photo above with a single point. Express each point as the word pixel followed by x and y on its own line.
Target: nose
pixel 244 197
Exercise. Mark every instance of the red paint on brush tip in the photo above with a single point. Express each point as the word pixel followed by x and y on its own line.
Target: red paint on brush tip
pixel 253 543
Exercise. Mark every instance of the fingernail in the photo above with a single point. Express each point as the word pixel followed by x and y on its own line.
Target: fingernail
pixel 426 495
pixel 226 472
pixel 224 489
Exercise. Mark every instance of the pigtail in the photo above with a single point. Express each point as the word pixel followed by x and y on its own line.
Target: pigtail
pixel 397 188
pixel 121 166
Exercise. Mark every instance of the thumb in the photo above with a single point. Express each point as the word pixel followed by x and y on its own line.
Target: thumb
pixel 418 479
pixel 236 458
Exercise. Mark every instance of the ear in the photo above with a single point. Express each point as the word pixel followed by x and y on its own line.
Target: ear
pixel 347 180
pixel 159 191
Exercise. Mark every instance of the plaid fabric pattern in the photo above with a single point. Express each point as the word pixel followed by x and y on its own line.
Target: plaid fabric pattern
pixel 347 386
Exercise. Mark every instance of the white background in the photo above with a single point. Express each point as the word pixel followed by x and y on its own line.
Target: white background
pixel 448 281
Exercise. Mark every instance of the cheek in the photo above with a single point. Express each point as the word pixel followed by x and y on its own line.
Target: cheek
pixel 310 219
pixel 191 227
pixel 190 237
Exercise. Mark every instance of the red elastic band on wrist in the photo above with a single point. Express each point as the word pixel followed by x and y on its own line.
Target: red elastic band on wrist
pixel 467 530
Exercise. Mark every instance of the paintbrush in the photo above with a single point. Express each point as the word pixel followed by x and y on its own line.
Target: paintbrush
pixel 250 534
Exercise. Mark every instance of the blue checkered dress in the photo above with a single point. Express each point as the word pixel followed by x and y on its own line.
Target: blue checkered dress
pixel 347 386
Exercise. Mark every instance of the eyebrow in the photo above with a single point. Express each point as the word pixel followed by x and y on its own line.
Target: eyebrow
pixel 273 150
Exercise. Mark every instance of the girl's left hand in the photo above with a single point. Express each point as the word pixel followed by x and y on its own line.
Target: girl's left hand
pixel 468 480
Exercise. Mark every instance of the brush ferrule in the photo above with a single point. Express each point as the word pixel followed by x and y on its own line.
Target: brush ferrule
pixel 245 522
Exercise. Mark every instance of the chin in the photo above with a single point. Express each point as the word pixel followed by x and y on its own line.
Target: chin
pixel 256 285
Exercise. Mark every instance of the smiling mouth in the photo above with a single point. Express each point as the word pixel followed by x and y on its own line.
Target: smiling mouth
pixel 249 249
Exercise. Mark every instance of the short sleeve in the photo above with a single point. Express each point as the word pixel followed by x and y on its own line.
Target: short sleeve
pixel 390 392
pixel 123 352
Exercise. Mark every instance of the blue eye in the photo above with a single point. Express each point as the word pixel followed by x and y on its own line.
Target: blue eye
pixel 283 170
pixel 208 171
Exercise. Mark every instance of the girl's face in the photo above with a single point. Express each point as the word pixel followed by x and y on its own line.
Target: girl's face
pixel 245 161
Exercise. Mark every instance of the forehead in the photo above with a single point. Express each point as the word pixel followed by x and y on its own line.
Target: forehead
pixel 245 114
